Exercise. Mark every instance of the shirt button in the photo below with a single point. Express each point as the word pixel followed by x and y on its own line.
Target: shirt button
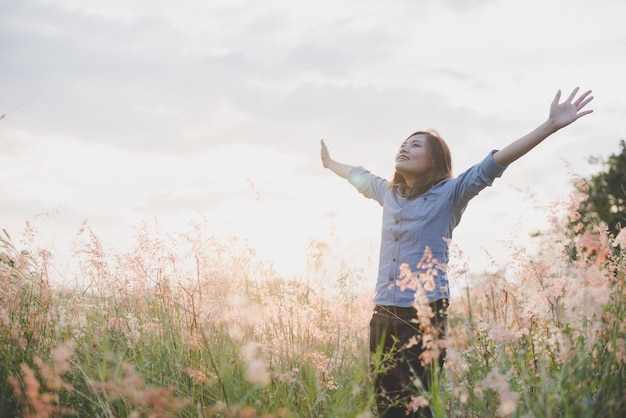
pixel 394 259
pixel 395 239
pixel 391 279
pixel 397 221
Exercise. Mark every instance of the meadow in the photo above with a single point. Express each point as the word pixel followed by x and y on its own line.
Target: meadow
pixel 187 325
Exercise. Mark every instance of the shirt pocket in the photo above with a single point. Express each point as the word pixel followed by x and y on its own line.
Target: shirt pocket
pixel 422 209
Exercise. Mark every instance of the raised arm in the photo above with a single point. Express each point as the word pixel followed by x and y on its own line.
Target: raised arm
pixel 336 167
pixel 561 115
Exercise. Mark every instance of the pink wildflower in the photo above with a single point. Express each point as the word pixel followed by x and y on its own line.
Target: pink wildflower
pixel 498 383
pixel 418 402
pixel 116 325
pixel 508 402
pixel 591 244
pixel 288 376
pixel 582 185
pixel 619 347
pixel 407 279
pixel 200 376
pixel 501 333
pixel 620 239
pixel 256 369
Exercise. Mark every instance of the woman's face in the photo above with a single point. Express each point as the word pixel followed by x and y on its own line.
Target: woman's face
pixel 414 158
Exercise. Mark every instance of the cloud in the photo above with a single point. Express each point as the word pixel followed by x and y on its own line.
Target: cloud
pixel 154 108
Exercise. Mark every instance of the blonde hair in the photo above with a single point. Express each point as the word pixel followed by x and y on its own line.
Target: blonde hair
pixel 441 169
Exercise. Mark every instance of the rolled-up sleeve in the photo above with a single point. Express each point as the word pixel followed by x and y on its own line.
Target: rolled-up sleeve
pixel 476 178
pixel 368 184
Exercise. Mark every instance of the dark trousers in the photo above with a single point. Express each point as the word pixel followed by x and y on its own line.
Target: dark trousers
pixel 396 347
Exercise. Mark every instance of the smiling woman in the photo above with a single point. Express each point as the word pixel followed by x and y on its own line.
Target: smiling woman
pixel 421 208
pixel 153 109
pixel 424 159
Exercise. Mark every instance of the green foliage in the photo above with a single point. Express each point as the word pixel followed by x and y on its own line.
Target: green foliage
pixel 606 193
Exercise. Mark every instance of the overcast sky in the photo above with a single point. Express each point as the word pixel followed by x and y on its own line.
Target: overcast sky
pixel 118 112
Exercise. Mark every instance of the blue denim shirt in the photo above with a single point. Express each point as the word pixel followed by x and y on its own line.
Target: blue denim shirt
pixel 416 233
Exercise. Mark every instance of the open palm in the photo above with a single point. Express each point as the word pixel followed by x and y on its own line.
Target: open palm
pixel 562 114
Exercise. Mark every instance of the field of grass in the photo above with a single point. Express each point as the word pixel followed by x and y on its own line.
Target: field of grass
pixel 187 325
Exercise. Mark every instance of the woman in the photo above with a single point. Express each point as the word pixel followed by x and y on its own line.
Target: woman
pixel 421 207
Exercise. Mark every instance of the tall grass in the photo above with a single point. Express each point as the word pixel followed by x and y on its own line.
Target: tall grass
pixel 188 325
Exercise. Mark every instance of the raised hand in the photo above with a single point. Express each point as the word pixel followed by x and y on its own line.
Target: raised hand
pixel 336 167
pixel 325 154
pixel 562 114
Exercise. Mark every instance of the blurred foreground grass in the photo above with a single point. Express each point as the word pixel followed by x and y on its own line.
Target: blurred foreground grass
pixel 192 326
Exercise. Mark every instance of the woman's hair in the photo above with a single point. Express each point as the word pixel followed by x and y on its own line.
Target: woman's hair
pixel 441 169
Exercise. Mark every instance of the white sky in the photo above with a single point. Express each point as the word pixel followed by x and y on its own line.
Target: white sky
pixel 151 109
